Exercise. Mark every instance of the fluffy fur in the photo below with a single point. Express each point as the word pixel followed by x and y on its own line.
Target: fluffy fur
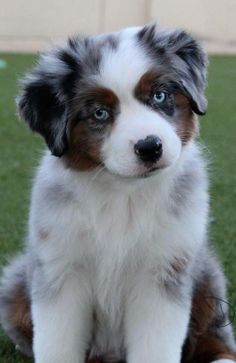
pixel 117 264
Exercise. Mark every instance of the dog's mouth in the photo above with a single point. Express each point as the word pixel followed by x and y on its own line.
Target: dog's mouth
pixel 144 174
pixel 139 172
pixel 150 172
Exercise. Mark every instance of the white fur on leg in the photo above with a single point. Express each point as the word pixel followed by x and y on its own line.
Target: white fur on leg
pixel 62 326
pixel 156 328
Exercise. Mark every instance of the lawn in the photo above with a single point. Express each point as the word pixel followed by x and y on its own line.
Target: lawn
pixel 20 152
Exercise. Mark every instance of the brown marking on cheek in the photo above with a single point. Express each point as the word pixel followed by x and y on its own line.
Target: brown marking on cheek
pixel 186 121
pixel 84 151
pixel 20 315
pixel 86 134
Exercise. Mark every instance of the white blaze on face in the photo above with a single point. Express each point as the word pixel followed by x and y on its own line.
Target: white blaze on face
pixel 121 69
pixel 135 122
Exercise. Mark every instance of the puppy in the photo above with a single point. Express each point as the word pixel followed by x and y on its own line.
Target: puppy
pixel 117 264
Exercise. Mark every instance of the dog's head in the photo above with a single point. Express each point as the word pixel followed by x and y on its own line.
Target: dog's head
pixel 126 100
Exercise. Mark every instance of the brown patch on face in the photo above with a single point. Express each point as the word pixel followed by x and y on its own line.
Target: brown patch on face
pixel 84 149
pixel 177 106
pixel 202 345
pixel 103 96
pixel 87 134
pixel 145 84
pixel 185 120
pixel 20 315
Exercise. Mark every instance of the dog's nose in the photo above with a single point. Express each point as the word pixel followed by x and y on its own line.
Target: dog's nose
pixel 149 149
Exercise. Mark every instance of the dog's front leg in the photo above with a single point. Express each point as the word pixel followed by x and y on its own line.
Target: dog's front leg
pixel 62 325
pixel 156 326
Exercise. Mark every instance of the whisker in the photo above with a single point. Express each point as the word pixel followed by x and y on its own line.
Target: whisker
pixel 100 168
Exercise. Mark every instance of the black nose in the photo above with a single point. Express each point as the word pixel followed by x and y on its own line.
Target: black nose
pixel 149 149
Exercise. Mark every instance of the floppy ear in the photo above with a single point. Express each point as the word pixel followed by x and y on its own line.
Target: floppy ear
pixel 183 58
pixel 43 101
pixel 45 114
pixel 191 66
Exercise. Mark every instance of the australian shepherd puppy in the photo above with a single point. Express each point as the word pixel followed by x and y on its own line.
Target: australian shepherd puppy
pixel 117 265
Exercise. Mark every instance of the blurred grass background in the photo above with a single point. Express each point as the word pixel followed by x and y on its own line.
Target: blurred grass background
pixel 20 151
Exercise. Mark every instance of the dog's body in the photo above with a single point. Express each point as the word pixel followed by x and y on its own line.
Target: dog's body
pixel 117 263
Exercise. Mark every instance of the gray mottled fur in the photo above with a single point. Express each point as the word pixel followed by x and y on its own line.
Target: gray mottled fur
pixel 179 54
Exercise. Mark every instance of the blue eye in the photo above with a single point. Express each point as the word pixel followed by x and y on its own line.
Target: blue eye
pixel 101 114
pixel 160 97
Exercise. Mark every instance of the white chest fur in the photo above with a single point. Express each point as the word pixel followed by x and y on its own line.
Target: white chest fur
pixel 116 233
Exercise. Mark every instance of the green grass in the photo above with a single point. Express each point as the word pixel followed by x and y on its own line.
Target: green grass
pixel 20 151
